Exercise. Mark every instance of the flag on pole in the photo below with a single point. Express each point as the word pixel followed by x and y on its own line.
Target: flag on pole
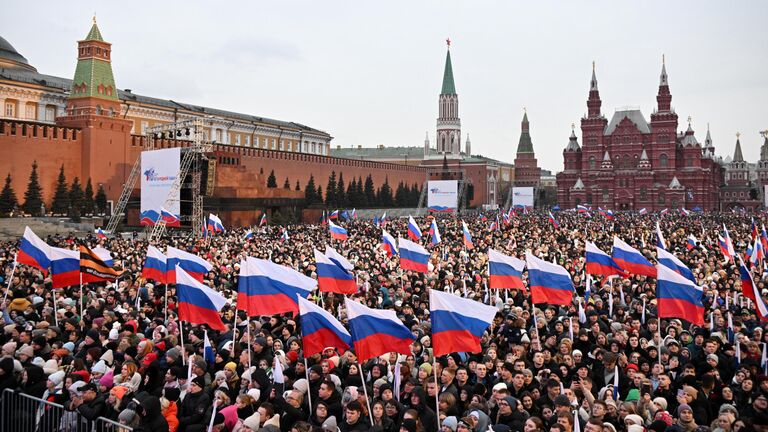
pixel 65 267
pixel 337 232
pixel 506 272
pixel 263 220
pixel 549 283
pixel 192 264
pixel 600 263
pixel 34 252
pixel 553 221
pixel 457 323
pixel 467 236
pixel 331 277
pixel 678 297
pixel 248 235
pixel 155 265
pixel 388 243
pixel 338 259
pixel 198 304
pixel 413 230
pixel 631 260
pixel 413 256
pixel 660 237
pixel 752 291
pixel 669 260
pixel 434 232
pixel 284 236
pixel 215 225
pixel 208 355
pixel 266 288
pixel 375 331
pixel 100 233
pixel 319 329
pixel 94 269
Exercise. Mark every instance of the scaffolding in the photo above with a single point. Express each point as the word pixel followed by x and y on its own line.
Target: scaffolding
pixel 191 160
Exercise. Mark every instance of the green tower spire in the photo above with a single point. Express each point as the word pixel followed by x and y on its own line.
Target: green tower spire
pixel 93 74
pixel 525 145
pixel 448 86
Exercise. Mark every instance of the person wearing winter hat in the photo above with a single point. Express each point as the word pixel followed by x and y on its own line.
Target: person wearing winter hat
pixel 50 366
pixel 685 421
pixel 25 354
pixel 449 424
pixel 195 404
pixel 252 423
pixel 409 425
pixel 129 418
pixel 330 425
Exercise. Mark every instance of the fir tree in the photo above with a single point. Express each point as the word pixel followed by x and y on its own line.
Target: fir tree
pixel 298 188
pixel 75 200
pixel 8 201
pixel 341 194
pixel 401 195
pixel 310 193
pixel 352 193
pixel 415 195
pixel 60 205
pixel 370 192
pixel 385 194
pixel 360 192
pixel 330 190
pixel 319 196
pixel 287 184
pixel 272 180
pixel 33 197
pixel 101 200
pixel 88 203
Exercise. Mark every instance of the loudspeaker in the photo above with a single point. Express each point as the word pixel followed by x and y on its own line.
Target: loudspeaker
pixel 208 177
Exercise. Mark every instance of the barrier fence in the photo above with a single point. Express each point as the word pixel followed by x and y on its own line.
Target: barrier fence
pixel 24 413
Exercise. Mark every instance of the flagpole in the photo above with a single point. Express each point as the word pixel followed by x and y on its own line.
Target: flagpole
pixel 166 304
pixel 10 281
pixel 82 306
pixel 248 329
pixel 309 392
pixel 437 394
pixel 234 336
pixel 181 339
pixel 55 315
pixel 365 391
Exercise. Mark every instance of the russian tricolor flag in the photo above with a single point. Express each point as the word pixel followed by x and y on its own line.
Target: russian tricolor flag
pixel 155 265
pixel 170 219
pixel 413 229
pixel 677 297
pixel 65 267
pixel 600 263
pixel 284 237
pixel 457 323
pixel 764 238
pixel 434 232
pixel 670 261
pixel 248 235
pixel 191 263
pixel 266 288
pixel 319 329
pixel 105 255
pixel 467 236
pixel 684 211
pixel 333 278
pixel 691 242
pixel 506 272
pixel 663 212
pixel 582 209
pixel 214 224
pixel 413 256
pixel 549 283
pixel 198 304
pixel 642 211
pixel 263 220
pixel 631 260
pixel 660 237
pixel 334 215
pixel 553 221
pixel 337 232
pixel 338 258
pixel 376 332
pixel 388 243
pixel 34 252
pixel 100 234
pixel 751 291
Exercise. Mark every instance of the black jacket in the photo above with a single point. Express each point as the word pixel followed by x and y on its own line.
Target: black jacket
pixel 93 409
pixel 152 420
pixel 192 409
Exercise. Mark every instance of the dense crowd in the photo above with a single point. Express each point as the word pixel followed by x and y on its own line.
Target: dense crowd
pixel 122 359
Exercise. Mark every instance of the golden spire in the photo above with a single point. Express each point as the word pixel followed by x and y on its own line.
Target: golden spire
pixel 738 134
pixel 94 17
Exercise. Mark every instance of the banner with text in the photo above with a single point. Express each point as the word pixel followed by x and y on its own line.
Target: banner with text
pixel 522 197
pixel 159 169
pixel 442 196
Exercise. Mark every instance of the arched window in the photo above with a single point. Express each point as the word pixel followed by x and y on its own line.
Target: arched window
pixel 591 162
pixel 643 194
pixel 627 163
pixel 663 160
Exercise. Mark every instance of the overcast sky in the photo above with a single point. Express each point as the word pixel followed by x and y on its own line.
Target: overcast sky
pixel 369 73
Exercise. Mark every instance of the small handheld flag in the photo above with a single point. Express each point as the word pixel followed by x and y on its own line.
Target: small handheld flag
pixel 414 233
pixel 434 232
pixel 388 243
pixel 467 236
pixel 553 221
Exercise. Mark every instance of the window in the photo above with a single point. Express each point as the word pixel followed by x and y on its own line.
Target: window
pixel 627 162
pixel 255 141
pixel 589 198
pixel 314 147
pixel 50 113
pixel 605 195
pixel 219 135
pixel 661 198
pixel 274 143
pixel 663 161
pixel 282 145
pixel 10 109
pixel 248 140
pixel 31 112
pixel 144 126
pixel 643 194
pixel 689 161
pixel 591 162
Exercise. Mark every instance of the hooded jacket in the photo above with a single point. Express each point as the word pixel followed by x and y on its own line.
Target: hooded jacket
pixel 36 382
pixel 152 419
pixel 426 415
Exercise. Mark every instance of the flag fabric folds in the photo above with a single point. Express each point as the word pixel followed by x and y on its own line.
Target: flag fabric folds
pixel 198 304
pixel 434 232
pixel 549 283
pixel 413 256
pixel 337 232
pixel 506 272
pixel 338 259
pixel 677 297
pixel 65 267
pixel 331 277
pixel 214 224
pixel 375 332
pixel 34 252
pixel 155 265
pixel 388 243
pixel 191 263
pixel 105 255
pixel 642 211
pixel 263 220
pixel 413 229
pixel 600 263
pixel 94 269
pixel 208 355
pixel 248 235
pixel 284 236
pixel 670 261
pixel 631 260
pixel 660 242
pixel 467 236
pixel 170 219
pixel 100 234
pixel 553 221
pixel 457 323
pixel 723 243
pixel 319 329
pixel 266 288
pixel 752 291
pixel 691 242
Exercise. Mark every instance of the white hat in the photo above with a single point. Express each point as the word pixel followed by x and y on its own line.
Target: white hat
pixel 57 377
pixel 99 367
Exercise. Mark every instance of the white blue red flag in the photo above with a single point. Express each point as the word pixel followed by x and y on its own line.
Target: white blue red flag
pixel 553 221
pixel 669 260
pixel 660 242
pixel 331 277
pixel 376 331
pixel 198 304
pixel 467 236
pixel 337 232
pixel 214 224
pixel 248 235
pixel 631 260
pixel 643 211
pixel 208 354
pixel 600 263
pixel 266 288
pixel 284 236
pixel 506 272
pixel 388 243
pixel 549 283
pixel 170 219
pixel 263 220
pixel 100 233
pixel 155 265
pixel 65 267
pixel 414 233
pixel 413 256
pixel 677 297
pixel 338 259
pixel 34 252
pixel 319 329
pixel 434 232
pixel 192 264
pixel 458 324
pixel 752 291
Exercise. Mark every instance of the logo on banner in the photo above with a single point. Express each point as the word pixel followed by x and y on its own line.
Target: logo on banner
pixel 151 176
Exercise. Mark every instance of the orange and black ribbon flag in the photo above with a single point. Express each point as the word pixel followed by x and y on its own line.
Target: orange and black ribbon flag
pixel 94 269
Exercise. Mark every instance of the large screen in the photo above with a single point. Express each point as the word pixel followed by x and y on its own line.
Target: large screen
pixel 159 169
pixel 442 196
pixel 522 196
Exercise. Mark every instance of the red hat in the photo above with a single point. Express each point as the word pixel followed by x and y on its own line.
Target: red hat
pixel 632 366
pixel 292 356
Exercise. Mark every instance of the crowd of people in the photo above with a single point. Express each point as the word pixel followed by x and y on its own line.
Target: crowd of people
pixel 115 351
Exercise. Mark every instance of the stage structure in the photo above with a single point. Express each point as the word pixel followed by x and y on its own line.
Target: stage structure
pixel 191 134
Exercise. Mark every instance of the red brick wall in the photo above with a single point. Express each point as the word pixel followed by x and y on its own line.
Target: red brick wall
pixel 23 142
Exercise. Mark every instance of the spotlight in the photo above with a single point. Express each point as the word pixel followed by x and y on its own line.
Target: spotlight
pixel 187 131
pixel 178 133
